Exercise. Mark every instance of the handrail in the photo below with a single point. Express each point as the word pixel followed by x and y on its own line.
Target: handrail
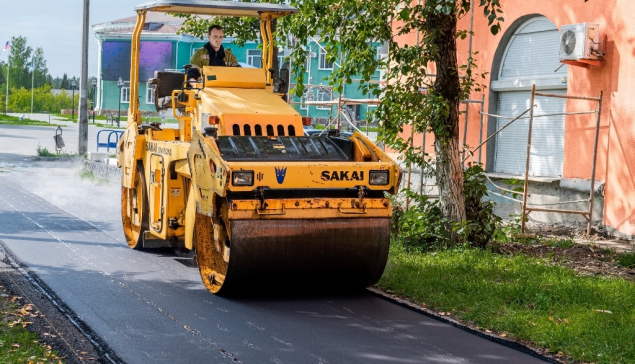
pixel 109 143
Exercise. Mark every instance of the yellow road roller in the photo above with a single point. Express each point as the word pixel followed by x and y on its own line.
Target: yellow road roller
pixel 241 185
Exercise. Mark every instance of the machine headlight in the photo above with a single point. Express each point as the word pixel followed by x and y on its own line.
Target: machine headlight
pixel 378 177
pixel 243 178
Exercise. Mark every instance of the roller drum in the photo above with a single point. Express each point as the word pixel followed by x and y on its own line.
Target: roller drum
pixel 337 253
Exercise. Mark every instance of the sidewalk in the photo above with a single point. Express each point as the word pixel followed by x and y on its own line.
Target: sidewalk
pixel 23 140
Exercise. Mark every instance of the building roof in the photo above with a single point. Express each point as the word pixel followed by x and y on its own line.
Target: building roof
pixel 156 23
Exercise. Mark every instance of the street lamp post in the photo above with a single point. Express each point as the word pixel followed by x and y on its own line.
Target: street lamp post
pixel 94 95
pixel 73 85
pixel 120 85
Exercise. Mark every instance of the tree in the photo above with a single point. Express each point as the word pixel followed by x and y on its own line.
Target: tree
pixel 39 67
pixel 19 62
pixel 65 85
pixel 350 27
pixel 3 74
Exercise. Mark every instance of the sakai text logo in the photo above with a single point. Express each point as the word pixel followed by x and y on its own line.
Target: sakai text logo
pixel 280 174
pixel 342 176
pixel 153 147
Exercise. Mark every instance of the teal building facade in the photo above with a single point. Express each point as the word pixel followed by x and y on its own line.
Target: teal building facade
pixel 163 49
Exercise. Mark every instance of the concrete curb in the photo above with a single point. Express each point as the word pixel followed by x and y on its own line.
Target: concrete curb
pixel 491 337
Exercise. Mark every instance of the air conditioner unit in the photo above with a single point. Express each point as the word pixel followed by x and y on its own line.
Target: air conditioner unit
pixel 580 41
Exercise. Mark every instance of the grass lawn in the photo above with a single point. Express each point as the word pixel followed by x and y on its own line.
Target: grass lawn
pixel 17 345
pixel 590 319
pixel 14 120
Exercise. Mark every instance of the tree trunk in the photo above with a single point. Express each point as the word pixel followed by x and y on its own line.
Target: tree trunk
pixel 449 170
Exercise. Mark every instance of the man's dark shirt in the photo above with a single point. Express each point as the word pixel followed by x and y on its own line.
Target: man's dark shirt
pixel 216 58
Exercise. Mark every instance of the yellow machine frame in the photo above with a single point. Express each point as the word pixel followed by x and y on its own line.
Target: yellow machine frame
pixel 176 183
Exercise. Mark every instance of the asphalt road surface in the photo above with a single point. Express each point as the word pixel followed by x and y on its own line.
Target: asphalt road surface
pixel 152 307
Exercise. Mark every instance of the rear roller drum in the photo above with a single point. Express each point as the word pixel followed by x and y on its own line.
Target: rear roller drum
pixel 134 211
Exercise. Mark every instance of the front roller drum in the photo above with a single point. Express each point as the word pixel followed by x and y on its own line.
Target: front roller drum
pixel 325 253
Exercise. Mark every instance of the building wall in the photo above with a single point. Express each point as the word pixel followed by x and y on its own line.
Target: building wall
pixel 615 78
pixel 181 52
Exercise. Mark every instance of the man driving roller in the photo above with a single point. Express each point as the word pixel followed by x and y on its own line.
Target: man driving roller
pixel 211 54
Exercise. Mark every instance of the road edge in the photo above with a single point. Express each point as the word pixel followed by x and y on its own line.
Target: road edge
pixel 450 321
pixel 106 353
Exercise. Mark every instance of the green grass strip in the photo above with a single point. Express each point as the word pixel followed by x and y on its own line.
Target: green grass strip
pixel 17 344
pixel 589 319
pixel 14 120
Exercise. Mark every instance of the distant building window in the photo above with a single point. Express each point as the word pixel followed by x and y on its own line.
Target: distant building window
pixel 324 64
pixel 150 95
pixel 254 57
pixel 308 95
pixel 307 62
pixel 324 95
pixel 125 94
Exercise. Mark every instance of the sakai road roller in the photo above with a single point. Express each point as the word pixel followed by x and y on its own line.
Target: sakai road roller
pixel 240 185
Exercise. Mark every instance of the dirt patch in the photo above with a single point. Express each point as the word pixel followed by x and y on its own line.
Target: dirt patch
pixel 585 260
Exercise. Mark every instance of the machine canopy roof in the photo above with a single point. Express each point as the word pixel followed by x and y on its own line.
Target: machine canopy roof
pixel 218 8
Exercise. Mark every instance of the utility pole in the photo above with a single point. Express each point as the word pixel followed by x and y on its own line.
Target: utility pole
pixel 82 145
pixel 6 101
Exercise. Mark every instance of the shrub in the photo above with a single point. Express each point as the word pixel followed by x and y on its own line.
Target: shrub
pixel 424 227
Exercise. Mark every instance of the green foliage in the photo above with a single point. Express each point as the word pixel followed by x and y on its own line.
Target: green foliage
pixel 14 120
pixel 44 152
pixel 20 57
pixel 626 260
pixel 590 319
pixel 17 344
pixel 43 100
pixel 87 174
pixel 243 29
pixel 481 221
pixel 425 227
pixel 65 84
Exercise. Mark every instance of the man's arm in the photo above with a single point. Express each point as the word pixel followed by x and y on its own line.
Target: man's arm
pixel 230 59
pixel 194 72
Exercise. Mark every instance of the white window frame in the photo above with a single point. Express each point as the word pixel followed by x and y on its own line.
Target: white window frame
pixel 307 62
pixel 251 57
pixel 303 99
pixel 323 65
pixel 125 95
pixel 320 97
pixel 150 95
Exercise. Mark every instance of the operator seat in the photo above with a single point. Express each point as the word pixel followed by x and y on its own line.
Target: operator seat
pixel 164 83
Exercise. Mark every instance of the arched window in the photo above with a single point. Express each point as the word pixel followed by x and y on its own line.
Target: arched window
pixel 531 57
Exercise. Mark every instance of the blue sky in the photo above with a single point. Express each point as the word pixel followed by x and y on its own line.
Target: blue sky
pixel 56 27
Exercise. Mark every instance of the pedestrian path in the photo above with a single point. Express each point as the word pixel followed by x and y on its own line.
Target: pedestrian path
pixel 23 140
